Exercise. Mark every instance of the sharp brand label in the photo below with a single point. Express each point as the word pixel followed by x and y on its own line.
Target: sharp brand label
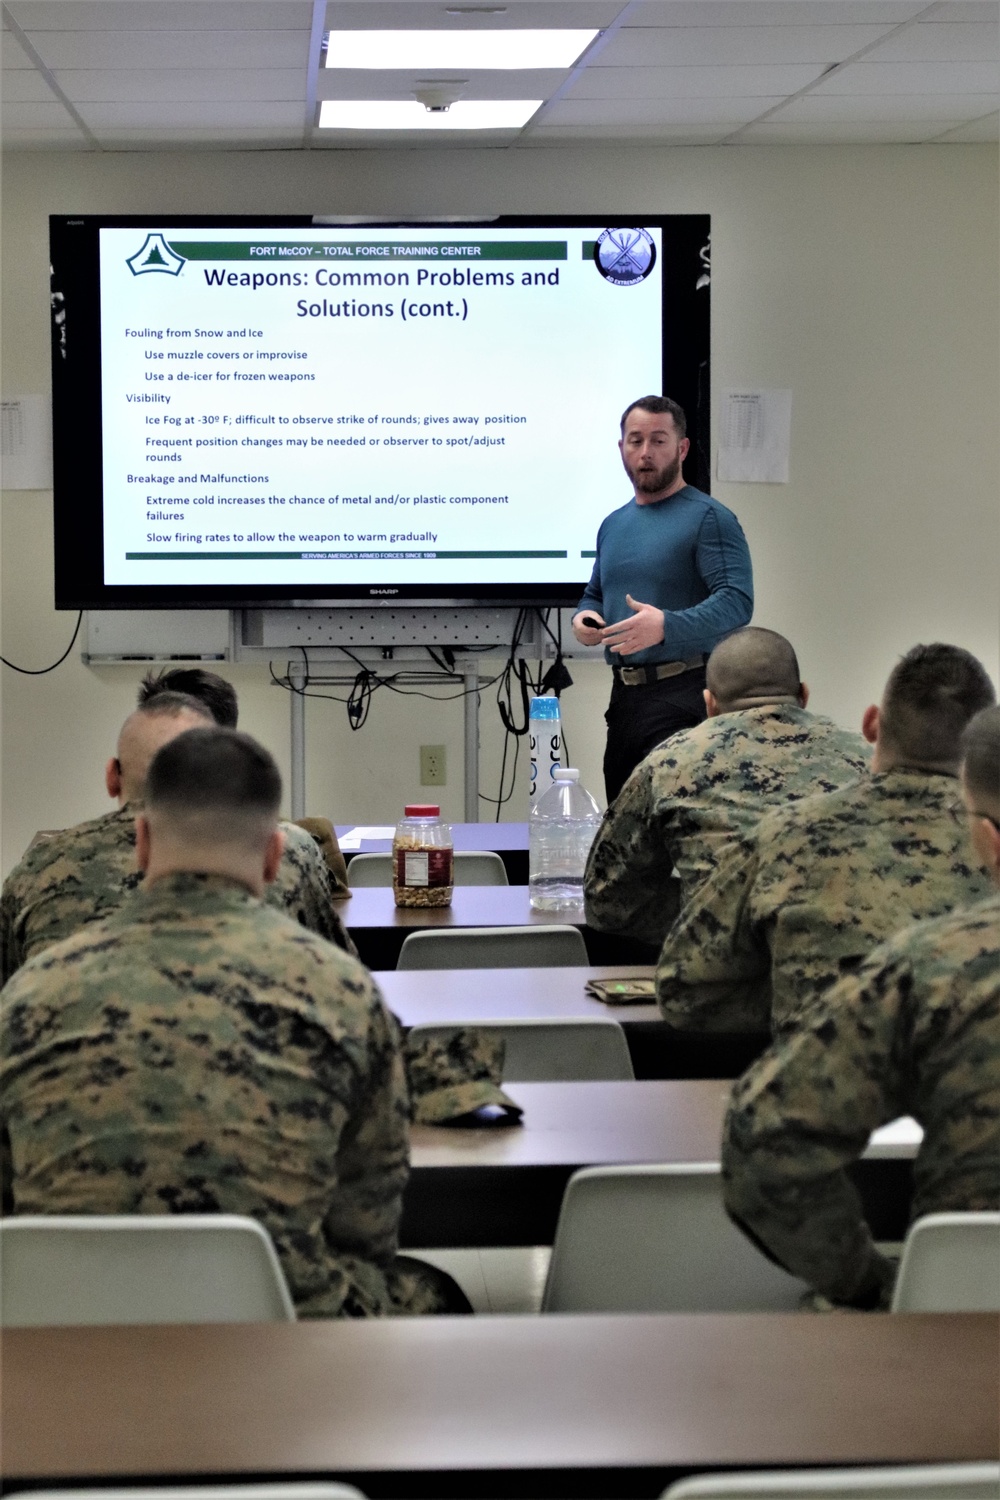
pixel 383 591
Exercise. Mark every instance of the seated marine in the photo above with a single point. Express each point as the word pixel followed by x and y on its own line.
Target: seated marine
pixel 916 1031
pixel 758 748
pixel 199 1052
pixel 219 697
pixel 803 898
pixel 82 874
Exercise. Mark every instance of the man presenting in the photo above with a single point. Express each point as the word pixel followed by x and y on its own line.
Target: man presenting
pixel 673 576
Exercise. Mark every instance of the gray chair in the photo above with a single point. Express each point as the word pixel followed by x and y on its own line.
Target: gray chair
pixel 476 867
pixel 657 1239
pixel 913 1482
pixel 554 947
pixel 950 1263
pixel 290 1490
pixel 551 1051
pixel 139 1268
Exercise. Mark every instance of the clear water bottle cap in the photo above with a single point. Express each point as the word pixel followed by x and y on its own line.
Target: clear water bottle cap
pixel 565 773
pixel 544 707
pixel 422 810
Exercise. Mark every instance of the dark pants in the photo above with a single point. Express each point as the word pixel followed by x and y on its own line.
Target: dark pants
pixel 639 718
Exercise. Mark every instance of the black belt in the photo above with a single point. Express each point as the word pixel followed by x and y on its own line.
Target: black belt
pixel 655 672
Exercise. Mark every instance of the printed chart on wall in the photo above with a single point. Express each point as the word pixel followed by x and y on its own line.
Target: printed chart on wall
pixel 293 406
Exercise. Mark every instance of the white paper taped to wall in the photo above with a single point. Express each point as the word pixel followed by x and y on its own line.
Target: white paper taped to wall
pixel 26 443
pixel 754 436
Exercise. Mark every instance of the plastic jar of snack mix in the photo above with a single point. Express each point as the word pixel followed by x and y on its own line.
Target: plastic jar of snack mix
pixel 422 857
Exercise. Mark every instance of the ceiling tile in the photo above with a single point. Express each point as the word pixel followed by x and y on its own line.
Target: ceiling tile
pixel 986 129
pixel 203 139
pixel 912 78
pixel 773 12
pixel 889 107
pixel 410 15
pixel 12 53
pixel 176 49
pixel 840 133
pixel 101 85
pixel 23 87
pixel 48 114
pixel 926 43
pixel 964 12
pixel 350 83
pixel 668 135
pixel 68 139
pixel 163 15
pixel 644 46
pixel 691 83
pixel 190 115
pixel 692 112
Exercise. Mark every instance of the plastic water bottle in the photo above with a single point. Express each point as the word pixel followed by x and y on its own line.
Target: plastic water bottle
pixel 545 745
pixel 561 829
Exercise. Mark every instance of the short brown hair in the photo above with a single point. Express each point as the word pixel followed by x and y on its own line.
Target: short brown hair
pixel 657 405
pixel 931 695
pixel 981 759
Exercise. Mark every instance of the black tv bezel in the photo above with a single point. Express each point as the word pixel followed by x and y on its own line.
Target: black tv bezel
pixel 77 416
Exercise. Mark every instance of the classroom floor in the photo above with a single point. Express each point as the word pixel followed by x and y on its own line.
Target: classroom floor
pixel 506 1280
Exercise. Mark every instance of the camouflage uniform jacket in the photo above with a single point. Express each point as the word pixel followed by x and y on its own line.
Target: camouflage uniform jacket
pixel 694 793
pixel 915 1031
pixel 804 897
pixel 83 874
pixel 198 1052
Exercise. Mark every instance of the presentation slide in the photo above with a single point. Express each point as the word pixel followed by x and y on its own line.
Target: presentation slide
pixel 327 406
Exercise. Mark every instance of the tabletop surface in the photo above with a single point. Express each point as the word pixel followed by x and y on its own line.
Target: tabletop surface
pixel 601 1124
pixel 475 1394
pixel 424 996
pixel 471 906
pixel 466 836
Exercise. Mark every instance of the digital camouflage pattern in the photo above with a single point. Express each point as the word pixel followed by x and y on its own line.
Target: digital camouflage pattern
pixel 664 832
pixel 198 1052
pixel 452 1075
pixel 915 1032
pixel 83 874
pixel 802 899
pixel 325 836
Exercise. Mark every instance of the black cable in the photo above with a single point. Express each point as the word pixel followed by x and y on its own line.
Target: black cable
pixel 41 671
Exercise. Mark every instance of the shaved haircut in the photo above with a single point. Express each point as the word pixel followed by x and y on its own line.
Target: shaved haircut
pixel 214 786
pixel 145 730
pixel 753 666
pixel 931 695
pixel 981 760
pixel 217 695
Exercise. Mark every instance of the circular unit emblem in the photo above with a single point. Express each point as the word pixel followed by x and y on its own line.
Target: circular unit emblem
pixel 625 256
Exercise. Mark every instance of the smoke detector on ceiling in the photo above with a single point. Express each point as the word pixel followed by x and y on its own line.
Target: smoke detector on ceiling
pixel 438 95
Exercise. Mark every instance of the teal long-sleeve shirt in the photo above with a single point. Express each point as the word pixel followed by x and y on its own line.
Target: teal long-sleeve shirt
pixel 688 556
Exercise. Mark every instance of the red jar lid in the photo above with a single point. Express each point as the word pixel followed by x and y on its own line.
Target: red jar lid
pixel 422 810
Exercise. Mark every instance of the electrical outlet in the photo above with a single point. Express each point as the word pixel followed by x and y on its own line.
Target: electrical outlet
pixel 433 765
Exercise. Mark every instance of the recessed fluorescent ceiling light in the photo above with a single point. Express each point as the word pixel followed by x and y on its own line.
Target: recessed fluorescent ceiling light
pixel 397 114
pixel 455 49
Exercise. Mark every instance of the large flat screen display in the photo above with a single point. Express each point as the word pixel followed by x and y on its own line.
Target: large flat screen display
pixel 252 411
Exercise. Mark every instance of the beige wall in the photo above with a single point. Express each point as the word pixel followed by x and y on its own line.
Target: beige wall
pixel 864 278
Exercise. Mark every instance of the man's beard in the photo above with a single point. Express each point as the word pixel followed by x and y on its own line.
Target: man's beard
pixel 652 481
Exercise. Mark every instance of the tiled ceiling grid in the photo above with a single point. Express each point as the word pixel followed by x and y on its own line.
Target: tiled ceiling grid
pixel 239 74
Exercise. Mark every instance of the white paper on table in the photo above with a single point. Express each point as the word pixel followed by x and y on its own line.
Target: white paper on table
pixel 900 1137
pixel 355 837
pixel 754 436
pixel 26 443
